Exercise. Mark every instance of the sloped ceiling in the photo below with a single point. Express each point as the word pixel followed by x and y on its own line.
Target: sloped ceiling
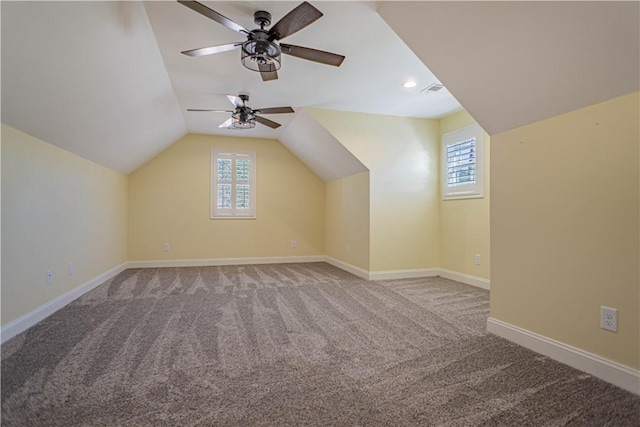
pixel 314 145
pixel 106 80
pixel 88 77
pixel 513 63
pixel 369 80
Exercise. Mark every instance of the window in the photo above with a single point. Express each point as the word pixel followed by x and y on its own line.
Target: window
pixel 233 187
pixel 462 163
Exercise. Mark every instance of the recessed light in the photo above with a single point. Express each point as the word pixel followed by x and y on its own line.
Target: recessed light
pixel 409 84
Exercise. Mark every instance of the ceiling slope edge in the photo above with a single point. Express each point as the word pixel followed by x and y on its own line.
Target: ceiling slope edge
pixel 89 78
pixel 514 63
pixel 318 149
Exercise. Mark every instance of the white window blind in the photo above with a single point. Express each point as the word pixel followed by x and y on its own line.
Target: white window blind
pixel 233 189
pixel 462 163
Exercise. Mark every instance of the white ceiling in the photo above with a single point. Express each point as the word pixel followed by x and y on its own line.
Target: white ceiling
pixel 317 148
pixel 369 80
pixel 88 77
pixel 513 63
pixel 106 80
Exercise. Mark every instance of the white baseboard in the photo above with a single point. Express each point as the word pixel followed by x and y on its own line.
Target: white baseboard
pixel 620 375
pixel 27 320
pixel 223 261
pixel 403 274
pixel 382 275
pixel 409 274
pixel 465 278
pixel 356 271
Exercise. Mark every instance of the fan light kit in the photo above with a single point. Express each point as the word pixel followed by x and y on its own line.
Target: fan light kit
pixel 242 120
pixel 260 52
pixel 244 117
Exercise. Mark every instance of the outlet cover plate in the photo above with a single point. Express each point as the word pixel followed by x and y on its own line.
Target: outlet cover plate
pixel 609 318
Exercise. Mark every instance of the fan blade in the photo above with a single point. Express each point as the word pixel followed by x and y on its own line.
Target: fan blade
pixel 274 110
pixel 212 14
pixel 212 49
pixel 268 72
pixel 312 54
pixel 236 101
pixel 213 111
pixel 294 21
pixel 267 122
pixel 227 123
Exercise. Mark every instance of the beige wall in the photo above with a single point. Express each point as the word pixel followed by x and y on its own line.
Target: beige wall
pixel 402 157
pixel 464 223
pixel 169 199
pixel 56 208
pixel 564 227
pixel 347 220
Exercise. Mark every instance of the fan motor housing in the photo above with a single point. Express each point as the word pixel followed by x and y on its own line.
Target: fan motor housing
pixel 262 18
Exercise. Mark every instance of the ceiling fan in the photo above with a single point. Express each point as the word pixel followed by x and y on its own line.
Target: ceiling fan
pixel 260 52
pixel 243 117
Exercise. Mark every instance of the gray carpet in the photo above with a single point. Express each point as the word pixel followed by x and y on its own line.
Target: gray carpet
pixel 290 344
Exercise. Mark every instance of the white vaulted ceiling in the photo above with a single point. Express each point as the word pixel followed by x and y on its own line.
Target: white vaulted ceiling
pixel 88 77
pixel 514 63
pixel 369 80
pixel 106 80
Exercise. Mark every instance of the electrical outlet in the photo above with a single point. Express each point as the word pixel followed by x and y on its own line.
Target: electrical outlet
pixel 477 259
pixel 609 319
pixel 70 268
pixel 49 277
pixel 348 249
pixel 166 247
pixel 294 244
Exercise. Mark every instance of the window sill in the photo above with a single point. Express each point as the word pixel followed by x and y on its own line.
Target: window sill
pixel 232 217
pixel 464 197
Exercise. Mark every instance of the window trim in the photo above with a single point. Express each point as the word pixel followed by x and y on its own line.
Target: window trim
pixel 234 213
pixel 468 191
